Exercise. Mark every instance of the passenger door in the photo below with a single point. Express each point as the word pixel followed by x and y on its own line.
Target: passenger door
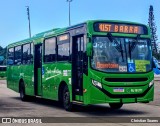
pixel 38 69
pixel 77 65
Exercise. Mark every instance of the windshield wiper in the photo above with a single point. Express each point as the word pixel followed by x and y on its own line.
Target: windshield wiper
pixel 130 50
pixel 133 45
pixel 118 46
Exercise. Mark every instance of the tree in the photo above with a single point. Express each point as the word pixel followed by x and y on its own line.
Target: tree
pixel 1 48
pixel 3 52
pixel 153 29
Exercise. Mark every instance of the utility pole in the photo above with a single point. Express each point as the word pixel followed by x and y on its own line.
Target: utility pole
pixel 28 14
pixel 69 1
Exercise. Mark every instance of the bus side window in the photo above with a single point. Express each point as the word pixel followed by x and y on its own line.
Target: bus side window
pixel 31 55
pixel 63 52
pixel 26 54
pixel 10 56
pixel 18 55
pixel 50 50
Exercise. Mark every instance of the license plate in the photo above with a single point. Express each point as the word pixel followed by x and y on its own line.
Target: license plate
pixel 118 90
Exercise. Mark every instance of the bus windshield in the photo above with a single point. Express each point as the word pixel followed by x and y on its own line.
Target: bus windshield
pixel 121 54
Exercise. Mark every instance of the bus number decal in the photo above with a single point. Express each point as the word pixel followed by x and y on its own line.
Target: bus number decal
pixel 123 68
pixel 65 73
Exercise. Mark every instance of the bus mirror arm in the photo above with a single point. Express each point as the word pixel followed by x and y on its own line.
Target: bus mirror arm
pixel 89 49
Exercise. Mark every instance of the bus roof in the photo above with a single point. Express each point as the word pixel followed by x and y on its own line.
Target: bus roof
pixel 57 31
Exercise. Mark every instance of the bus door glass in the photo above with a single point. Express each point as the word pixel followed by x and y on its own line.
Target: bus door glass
pixel 77 65
pixel 37 69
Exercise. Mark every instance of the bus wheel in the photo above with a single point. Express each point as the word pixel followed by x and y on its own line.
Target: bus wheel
pixel 22 92
pixel 66 99
pixel 115 105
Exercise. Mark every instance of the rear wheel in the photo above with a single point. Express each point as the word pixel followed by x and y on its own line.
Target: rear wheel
pixel 66 99
pixel 23 96
pixel 115 105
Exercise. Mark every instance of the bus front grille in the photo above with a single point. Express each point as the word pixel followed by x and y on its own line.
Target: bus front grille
pixel 126 79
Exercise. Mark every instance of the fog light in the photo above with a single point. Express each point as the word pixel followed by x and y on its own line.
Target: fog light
pixel 96 83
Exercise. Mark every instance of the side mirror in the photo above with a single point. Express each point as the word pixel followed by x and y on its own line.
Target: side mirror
pixel 89 49
pixel 153 64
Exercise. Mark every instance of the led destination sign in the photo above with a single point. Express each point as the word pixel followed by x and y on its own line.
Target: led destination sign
pixel 120 28
pixel 63 37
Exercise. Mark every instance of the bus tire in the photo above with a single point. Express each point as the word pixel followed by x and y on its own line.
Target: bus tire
pixel 115 105
pixel 23 96
pixel 66 99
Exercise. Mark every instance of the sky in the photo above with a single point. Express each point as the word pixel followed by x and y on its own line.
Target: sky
pixel 49 14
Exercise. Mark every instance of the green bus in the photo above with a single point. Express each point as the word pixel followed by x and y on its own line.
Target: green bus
pixel 2 71
pixel 98 61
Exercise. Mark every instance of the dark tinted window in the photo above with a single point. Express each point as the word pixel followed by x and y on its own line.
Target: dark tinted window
pixel 50 52
pixel 18 55
pixel 3 68
pixel 10 60
pixel 31 58
pixel 63 52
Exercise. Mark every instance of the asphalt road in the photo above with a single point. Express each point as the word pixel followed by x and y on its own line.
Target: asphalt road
pixel 12 106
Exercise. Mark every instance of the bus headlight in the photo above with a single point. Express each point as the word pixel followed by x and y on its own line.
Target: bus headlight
pixel 151 83
pixel 96 83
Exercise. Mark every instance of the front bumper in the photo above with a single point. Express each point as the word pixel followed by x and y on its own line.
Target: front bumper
pixel 102 96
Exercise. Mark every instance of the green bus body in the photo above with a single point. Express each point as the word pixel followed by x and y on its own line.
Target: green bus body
pixel 3 71
pixel 45 74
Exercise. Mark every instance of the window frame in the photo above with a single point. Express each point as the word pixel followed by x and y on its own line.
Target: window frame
pixel 44 48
